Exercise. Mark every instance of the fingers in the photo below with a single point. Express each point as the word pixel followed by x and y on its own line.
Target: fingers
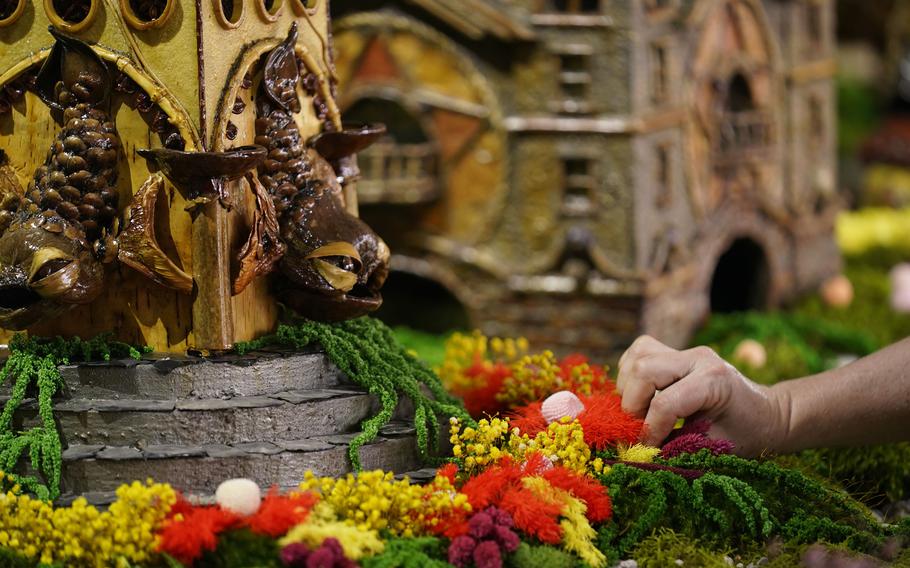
pixel 642 347
pixel 657 370
pixel 681 400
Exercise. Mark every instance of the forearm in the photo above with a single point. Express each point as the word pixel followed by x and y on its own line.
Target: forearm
pixel 865 402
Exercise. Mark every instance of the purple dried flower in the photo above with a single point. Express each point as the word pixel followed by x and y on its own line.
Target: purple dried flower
pixel 295 554
pixel 506 538
pixel 501 517
pixel 481 525
pixel 692 437
pixel 486 555
pixel 460 551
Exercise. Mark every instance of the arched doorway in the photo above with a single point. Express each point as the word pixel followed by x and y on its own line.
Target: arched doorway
pixel 421 303
pixel 742 278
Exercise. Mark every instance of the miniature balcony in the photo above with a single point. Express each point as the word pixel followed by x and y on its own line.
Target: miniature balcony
pixel 742 137
pixel 398 173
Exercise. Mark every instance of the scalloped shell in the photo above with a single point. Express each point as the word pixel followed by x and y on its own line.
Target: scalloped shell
pixel 561 405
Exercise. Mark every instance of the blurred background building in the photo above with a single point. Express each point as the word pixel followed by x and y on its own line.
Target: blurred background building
pixel 581 171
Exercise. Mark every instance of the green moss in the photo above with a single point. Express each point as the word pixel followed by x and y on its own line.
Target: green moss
pixel 873 474
pixel 797 344
pixel 665 548
pixel 733 505
pixel 429 347
pixel 409 553
pixel 870 311
pixel 366 350
pixel 536 556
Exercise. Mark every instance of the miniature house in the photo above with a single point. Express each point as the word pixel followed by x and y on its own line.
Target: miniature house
pixel 581 171
pixel 184 69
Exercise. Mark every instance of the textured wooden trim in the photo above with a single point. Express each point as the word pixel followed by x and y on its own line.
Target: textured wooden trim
pixel 213 322
pixel 815 71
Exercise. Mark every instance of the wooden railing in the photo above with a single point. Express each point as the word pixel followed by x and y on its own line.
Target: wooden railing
pixel 742 136
pixel 398 173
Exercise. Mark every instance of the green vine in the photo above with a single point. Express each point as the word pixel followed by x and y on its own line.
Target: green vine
pixel 33 366
pixel 367 352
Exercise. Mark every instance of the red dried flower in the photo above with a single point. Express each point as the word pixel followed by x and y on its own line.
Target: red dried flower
pixel 603 421
pixel 279 513
pixel 195 530
pixel 594 495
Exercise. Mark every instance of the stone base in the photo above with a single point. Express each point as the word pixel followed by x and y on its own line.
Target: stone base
pixel 194 423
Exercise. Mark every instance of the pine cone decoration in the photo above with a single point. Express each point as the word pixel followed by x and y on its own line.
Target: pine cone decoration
pixel 285 172
pixel 77 180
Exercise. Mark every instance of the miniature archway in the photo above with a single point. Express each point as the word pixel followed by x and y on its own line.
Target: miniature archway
pixel 421 303
pixel 741 279
pixel 398 59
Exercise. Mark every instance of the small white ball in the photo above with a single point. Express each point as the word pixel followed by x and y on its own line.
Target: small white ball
pixel 561 405
pixel 837 291
pixel 751 352
pixel 241 496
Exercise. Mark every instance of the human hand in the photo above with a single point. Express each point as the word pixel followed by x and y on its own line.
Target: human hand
pixel 661 385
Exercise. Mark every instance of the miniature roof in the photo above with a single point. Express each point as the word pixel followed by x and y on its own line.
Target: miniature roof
pixel 891 143
pixel 479 18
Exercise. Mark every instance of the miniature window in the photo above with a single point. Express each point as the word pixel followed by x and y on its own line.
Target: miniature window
pixel 71 15
pixel 229 12
pixel 145 14
pixel 308 5
pixel 571 6
pixel 580 186
pixel 10 11
pixel 659 74
pixel 662 176
pixel 574 82
pixel 270 8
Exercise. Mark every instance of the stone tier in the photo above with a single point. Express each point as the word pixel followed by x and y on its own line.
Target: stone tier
pixel 194 422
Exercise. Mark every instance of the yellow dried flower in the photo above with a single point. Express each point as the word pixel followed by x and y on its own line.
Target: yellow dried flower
pixel 533 377
pixel 81 535
pixel 577 533
pixel 482 446
pixel 563 443
pixel 638 453
pixel 374 500
pixel 322 523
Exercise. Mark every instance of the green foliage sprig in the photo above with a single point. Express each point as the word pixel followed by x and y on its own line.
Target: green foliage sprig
pixel 366 351
pixel 32 365
pixel 423 552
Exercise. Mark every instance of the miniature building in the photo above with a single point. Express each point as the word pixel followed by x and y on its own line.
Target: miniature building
pixel 580 171
pixel 182 68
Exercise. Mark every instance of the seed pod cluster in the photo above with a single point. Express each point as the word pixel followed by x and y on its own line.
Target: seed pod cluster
pixel 77 180
pixel 287 169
